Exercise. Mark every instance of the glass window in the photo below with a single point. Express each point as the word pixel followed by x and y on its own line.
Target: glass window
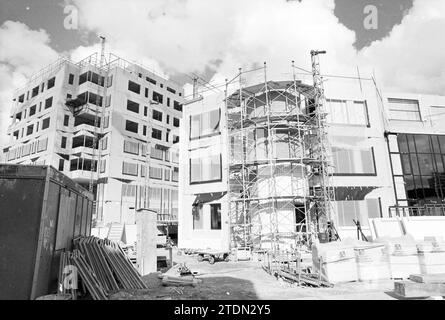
pixel 215 216
pixel 51 83
pixel 205 124
pixel 157 115
pixel 198 221
pixel 347 112
pixel 353 161
pixel 205 169
pixel 129 168
pixel 156 134
pixel 403 109
pixel 131 147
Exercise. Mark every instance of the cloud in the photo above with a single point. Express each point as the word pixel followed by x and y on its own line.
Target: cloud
pixel 411 58
pixel 23 52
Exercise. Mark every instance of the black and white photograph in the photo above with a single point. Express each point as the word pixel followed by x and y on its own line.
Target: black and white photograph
pixel 218 157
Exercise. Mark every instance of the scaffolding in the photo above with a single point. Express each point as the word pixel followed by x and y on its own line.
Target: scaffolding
pixel 279 193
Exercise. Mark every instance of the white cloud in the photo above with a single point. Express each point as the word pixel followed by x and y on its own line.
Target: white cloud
pixel 411 57
pixel 23 52
pixel 187 36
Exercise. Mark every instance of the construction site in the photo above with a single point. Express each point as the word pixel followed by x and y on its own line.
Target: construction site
pixel 301 185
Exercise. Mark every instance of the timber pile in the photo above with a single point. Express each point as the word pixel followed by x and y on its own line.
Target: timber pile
pixel 301 278
pixel 102 267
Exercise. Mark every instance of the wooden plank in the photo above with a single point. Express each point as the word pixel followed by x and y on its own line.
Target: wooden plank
pixel 428 278
pixel 411 289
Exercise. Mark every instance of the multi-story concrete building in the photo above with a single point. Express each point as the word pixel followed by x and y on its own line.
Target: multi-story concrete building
pixel 56 116
pixel 386 157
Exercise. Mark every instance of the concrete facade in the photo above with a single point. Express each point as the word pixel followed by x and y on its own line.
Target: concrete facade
pixel 59 136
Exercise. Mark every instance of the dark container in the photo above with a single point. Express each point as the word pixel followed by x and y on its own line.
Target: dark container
pixel 41 211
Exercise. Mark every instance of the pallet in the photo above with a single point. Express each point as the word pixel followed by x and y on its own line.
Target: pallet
pixel 411 289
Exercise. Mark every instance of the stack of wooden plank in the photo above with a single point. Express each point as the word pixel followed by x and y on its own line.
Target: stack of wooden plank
pixel 102 267
pixel 421 285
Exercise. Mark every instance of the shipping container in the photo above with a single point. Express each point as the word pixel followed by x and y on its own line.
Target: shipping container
pixel 41 211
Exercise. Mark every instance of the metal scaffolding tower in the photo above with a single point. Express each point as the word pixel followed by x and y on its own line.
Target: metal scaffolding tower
pixel 278 173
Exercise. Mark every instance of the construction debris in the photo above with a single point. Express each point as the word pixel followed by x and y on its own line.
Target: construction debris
pixel 102 267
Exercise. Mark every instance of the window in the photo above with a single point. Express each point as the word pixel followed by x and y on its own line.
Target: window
pixel 104 143
pixel 404 109
pixel 48 102
pixel 42 145
pixel 205 124
pixel 45 123
pixel 171 90
pixel 22 98
pixel 29 129
pixel 132 106
pixel 134 87
pixel 150 80
pixel 175 139
pixel 35 92
pixel 146 92
pixel 358 210
pixel 347 112
pixel 131 126
pixel 168 102
pixel 71 79
pixel 103 165
pixel 91 77
pixel 155 173
pixel 176 122
pixel 157 115
pixel 205 169
pixel 89 97
pixel 177 106
pixel 157 153
pixel 168 119
pixel 131 147
pixel 352 156
pixel 129 168
pixel 156 134
pixel 66 120
pixel 175 174
pixel 167 174
pixel 157 97
pixel 198 221
pixel 61 164
pixel 32 110
pixel 144 130
pixel 215 216
pixel 51 83
pixel 145 111
pixel 63 144
pixel 418 165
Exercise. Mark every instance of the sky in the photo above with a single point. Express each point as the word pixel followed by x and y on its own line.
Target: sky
pixel 400 41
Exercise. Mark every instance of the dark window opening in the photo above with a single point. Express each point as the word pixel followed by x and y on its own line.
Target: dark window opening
pixel 156 134
pixel 61 164
pixel 63 144
pixel 150 80
pixel 45 123
pixel 132 106
pixel 29 129
pixel 215 216
pixel 171 90
pixel 35 92
pixel 66 120
pixel 51 83
pixel 134 87
pixel 157 115
pixel 158 97
pixel 131 126
pixel 176 122
pixel 32 110
pixel 177 106
pixel 48 102
pixel 71 79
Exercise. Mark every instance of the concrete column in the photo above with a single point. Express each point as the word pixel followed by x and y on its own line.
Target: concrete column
pixel 147 232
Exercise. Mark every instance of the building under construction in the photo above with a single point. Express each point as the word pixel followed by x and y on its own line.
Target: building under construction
pixel 272 164
pixel 96 120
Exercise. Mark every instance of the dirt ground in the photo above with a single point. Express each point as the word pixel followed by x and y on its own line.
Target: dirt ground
pixel 247 280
